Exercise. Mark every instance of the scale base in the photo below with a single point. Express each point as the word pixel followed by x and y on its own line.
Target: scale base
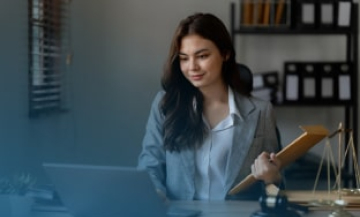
pixel 340 213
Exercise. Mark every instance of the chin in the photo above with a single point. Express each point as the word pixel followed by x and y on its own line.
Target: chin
pixel 197 85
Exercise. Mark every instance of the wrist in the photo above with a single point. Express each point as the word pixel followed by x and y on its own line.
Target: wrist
pixel 275 179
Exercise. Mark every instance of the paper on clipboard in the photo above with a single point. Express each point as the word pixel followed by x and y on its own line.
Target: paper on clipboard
pixel 311 136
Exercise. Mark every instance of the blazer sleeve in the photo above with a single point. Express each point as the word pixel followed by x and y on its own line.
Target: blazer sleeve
pixel 152 157
pixel 271 140
pixel 270 144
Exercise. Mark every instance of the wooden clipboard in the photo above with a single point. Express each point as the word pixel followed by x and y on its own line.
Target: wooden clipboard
pixel 311 136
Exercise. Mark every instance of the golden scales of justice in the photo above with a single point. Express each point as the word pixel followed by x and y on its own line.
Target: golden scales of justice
pixel 338 200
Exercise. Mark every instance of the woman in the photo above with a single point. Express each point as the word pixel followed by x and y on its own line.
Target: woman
pixel 205 133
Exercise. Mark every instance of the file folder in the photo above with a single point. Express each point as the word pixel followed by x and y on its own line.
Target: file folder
pixel 310 82
pixel 281 12
pixel 247 12
pixel 259 12
pixel 310 137
pixel 291 83
pixel 267 12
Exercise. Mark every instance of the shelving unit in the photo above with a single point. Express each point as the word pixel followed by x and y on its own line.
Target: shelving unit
pixel 351 37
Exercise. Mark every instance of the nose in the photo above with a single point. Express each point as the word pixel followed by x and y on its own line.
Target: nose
pixel 193 65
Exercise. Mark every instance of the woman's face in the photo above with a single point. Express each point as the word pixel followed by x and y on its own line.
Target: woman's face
pixel 201 61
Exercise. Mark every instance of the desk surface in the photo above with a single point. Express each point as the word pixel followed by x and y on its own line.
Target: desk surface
pixel 212 209
pixel 237 208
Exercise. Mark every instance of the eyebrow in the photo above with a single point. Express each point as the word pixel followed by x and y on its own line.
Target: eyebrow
pixel 197 52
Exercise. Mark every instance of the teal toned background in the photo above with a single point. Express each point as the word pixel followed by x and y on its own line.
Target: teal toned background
pixel 119 51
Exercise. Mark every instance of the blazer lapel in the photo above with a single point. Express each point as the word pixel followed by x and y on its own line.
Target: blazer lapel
pixel 244 132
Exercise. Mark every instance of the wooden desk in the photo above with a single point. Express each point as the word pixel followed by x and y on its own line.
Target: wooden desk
pixel 212 209
pixel 237 208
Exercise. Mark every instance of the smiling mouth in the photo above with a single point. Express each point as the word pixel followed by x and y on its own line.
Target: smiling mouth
pixel 196 77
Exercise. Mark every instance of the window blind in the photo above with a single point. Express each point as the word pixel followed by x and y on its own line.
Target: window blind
pixel 48 52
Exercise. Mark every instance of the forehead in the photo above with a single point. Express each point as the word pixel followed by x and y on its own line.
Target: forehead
pixel 194 43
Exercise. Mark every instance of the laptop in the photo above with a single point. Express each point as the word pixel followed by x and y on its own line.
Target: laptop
pixel 109 191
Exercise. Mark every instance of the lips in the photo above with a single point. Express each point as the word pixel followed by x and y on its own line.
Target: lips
pixel 196 77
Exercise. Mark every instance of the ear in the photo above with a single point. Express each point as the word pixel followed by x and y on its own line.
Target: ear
pixel 226 56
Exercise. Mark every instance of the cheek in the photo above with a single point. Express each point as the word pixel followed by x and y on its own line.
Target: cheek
pixel 183 68
pixel 215 67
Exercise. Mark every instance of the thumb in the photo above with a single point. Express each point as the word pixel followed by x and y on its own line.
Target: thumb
pixel 275 160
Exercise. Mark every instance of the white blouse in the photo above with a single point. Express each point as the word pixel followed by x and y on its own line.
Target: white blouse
pixel 211 158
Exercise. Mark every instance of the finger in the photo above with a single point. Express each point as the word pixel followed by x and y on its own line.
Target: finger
pixel 257 166
pixel 273 156
pixel 253 170
pixel 264 155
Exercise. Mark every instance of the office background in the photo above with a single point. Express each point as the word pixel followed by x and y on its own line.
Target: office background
pixel 119 49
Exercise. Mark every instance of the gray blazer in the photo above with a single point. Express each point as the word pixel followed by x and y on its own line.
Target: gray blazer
pixel 174 172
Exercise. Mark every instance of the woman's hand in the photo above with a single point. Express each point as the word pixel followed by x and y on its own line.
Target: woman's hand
pixel 266 167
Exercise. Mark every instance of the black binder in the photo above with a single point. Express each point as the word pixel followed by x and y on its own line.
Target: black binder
pixel 266 79
pixel 345 81
pixel 329 84
pixel 318 82
pixel 309 80
pixel 308 14
pixel 265 85
pixel 291 83
pixel 328 14
pixel 344 9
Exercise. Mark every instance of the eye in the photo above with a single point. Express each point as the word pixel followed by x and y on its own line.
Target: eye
pixel 183 58
pixel 203 56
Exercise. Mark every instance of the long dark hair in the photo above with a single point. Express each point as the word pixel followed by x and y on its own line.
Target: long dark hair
pixel 182 104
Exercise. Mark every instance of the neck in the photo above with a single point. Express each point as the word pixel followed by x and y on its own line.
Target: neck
pixel 215 94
